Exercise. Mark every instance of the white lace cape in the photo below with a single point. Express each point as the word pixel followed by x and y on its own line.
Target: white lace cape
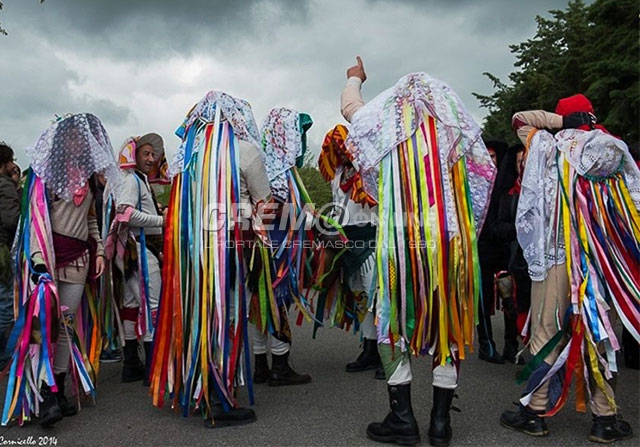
pixel 393 117
pixel 594 154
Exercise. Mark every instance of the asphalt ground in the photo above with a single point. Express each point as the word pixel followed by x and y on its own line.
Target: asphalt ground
pixel 333 410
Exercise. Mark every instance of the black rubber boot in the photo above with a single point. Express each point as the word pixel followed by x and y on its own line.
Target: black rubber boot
pixel 50 411
pixel 525 420
pixel 132 367
pixel 368 358
pixel 606 429
pixel 261 369
pixel 67 408
pixel 148 352
pixel 440 424
pixel 282 374
pixel 218 418
pixel 400 425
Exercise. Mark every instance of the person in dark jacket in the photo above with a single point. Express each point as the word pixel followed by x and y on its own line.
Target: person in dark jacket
pixel 492 260
pixel 9 216
pixel 514 288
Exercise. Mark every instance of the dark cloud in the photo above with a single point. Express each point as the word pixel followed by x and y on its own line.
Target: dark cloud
pixel 144 29
pixel 139 65
pixel 487 16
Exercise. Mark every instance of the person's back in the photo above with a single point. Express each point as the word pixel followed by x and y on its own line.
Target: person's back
pixel 576 223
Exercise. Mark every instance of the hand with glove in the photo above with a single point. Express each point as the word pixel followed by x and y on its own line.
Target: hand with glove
pixel 579 119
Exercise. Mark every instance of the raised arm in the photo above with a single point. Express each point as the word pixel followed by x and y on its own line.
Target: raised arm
pixel 351 99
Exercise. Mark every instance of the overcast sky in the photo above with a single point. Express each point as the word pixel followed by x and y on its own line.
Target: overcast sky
pixel 140 65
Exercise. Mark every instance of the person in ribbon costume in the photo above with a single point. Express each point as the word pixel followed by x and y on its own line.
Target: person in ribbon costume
pixel 59 251
pixel 135 244
pixel 348 299
pixel 219 189
pixel 577 222
pixel 281 257
pixel 421 156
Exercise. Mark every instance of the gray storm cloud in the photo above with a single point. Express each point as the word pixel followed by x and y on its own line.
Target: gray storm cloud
pixel 140 65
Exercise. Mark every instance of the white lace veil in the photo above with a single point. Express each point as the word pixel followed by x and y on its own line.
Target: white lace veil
pixel 236 111
pixel 282 145
pixel 72 149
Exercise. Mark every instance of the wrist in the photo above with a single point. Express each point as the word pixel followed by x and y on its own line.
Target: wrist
pixel 354 81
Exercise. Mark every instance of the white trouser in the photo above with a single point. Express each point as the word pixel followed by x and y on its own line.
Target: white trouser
pixel 260 342
pixel 132 295
pixel 70 296
pixel 368 327
pixel 443 376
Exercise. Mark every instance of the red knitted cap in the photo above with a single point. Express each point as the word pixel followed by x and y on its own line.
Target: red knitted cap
pixel 573 104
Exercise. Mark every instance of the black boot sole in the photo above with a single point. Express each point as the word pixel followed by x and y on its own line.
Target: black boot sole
pixel 600 440
pixel 398 439
pixel 132 374
pixel 439 442
pixel 358 369
pixel 285 382
pixel 538 434
pixel 50 417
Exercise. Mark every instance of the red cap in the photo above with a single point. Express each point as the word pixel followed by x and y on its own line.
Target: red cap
pixel 573 104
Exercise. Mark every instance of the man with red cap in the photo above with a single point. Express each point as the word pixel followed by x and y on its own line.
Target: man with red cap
pixel 577 223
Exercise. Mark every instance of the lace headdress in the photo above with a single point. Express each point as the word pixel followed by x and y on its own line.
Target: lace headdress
pixel 236 111
pixel 72 149
pixel 283 144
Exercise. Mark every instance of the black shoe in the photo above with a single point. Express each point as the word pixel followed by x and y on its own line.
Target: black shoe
pixel 525 420
pixel 282 374
pixel 235 416
pixel 400 425
pixel 133 369
pixel 440 423
pixel 606 429
pixel 50 411
pixel 67 408
pixel 379 373
pixel 494 357
pixel 261 369
pixel 368 358
pixel 111 356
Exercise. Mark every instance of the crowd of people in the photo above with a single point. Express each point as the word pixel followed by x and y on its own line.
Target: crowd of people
pixel 433 228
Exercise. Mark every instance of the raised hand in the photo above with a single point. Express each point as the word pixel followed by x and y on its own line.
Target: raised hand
pixel 357 70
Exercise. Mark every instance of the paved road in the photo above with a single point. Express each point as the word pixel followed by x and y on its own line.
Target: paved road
pixel 333 410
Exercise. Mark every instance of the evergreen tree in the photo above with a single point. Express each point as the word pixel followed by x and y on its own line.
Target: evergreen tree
pixel 584 49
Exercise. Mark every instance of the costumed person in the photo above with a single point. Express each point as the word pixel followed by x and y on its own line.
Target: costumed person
pixel 420 155
pixel 630 346
pixel 281 256
pixel 220 186
pixel 492 261
pixel 578 225
pixel 355 211
pixel 514 288
pixel 59 256
pixel 135 244
pixel 9 217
